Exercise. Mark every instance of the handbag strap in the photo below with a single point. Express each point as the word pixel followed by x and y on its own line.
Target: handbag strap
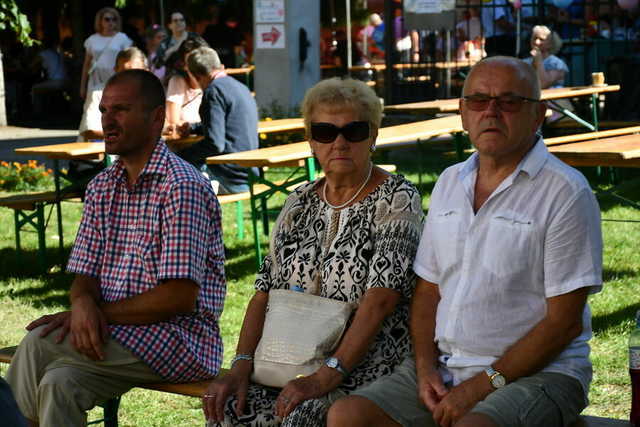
pixel 97 58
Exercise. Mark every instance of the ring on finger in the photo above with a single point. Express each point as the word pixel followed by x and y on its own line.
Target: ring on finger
pixel 208 396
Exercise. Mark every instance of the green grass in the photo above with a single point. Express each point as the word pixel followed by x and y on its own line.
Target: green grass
pixel 25 295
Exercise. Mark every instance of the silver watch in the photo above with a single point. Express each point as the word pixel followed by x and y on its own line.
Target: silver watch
pixel 496 378
pixel 334 363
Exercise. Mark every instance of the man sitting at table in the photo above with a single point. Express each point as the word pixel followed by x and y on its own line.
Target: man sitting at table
pixel 229 121
pixel 149 276
pixel 509 252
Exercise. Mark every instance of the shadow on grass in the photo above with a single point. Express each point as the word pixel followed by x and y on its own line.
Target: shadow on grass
pixel 25 264
pixel 609 275
pixel 603 322
pixel 240 260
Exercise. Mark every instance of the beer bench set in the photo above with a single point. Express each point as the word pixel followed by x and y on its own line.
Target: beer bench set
pixel 197 389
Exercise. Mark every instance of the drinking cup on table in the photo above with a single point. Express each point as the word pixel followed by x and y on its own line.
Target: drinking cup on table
pixel 597 79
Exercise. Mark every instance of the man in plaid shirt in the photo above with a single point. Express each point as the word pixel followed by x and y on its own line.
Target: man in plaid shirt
pixel 149 285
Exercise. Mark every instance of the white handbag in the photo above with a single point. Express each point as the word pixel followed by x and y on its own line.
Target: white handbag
pixel 300 331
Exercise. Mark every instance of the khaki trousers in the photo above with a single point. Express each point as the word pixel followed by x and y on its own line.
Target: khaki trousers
pixel 55 385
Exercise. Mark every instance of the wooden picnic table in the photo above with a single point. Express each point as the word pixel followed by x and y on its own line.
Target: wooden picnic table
pixel 264 126
pixel 299 153
pixel 451 105
pixel 617 151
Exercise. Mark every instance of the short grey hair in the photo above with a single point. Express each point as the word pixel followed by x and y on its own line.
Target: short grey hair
pixel 338 94
pixel 555 42
pixel 525 72
pixel 203 60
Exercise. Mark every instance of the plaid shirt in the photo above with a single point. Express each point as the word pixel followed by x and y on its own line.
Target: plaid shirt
pixel 166 227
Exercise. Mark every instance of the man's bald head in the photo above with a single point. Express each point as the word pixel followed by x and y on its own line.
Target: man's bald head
pixel 525 73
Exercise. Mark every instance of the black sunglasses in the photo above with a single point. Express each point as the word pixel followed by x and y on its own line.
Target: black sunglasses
pixel 326 133
pixel 507 103
pixel 109 18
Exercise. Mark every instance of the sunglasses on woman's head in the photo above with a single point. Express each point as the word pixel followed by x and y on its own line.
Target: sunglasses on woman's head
pixel 326 133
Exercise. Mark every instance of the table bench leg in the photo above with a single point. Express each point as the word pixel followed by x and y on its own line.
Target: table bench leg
pixel 37 221
pixel 240 219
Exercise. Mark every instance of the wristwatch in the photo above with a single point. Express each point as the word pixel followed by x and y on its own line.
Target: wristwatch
pixel 334 363
pixel 496 378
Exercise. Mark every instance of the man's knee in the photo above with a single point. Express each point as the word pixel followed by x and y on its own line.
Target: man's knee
pixel 474 419
pixel 66 383
pixel 357 411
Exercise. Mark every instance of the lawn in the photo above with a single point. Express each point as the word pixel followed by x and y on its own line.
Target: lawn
pixel 25 295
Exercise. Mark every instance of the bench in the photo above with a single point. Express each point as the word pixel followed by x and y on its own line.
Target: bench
pixel 197 389
pixel 110 408
pixel 23 204
pixel 591 135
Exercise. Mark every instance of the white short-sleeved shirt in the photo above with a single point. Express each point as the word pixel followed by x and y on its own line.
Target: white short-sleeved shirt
pixel 537 236
pixel 104 51
pixel 189 99
pixel 493 10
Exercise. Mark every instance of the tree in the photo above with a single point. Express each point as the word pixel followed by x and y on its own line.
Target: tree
pixel 12 19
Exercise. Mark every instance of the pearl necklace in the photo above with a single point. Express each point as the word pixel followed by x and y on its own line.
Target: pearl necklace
pixel 336 207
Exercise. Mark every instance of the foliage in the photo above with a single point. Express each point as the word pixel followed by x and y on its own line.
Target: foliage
pixel 24 176
pixel 11 18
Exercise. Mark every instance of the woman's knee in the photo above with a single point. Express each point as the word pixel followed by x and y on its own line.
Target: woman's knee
pixel 357 411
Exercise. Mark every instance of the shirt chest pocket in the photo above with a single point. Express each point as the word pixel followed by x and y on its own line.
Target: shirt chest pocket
pixel 446 237
pixel 510 243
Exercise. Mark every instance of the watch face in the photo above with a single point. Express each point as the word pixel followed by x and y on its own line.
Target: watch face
pixel 498 381
pixel 332 362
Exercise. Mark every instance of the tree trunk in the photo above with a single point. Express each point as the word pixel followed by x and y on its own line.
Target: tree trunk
pixel 3 107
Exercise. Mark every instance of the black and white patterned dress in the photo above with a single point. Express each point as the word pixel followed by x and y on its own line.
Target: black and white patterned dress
pixel 370 244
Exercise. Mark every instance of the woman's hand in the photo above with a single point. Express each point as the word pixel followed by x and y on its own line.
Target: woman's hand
pixel 304 388
pixel 235 383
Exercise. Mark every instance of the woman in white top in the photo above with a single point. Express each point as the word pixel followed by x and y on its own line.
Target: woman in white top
pixel 100 58
pixel 183 92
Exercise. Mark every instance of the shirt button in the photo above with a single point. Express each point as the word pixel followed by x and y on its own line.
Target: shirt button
pixel 132 227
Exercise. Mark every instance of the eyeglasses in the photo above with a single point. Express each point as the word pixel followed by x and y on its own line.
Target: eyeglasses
pixel 109 18
pixel 326 133
pixel 177 20
pixel 506 103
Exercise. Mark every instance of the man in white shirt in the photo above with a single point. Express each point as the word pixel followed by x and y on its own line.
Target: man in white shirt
pixel 510 250
pixel 499 27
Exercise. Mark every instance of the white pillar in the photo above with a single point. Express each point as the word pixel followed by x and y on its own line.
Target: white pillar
pixel 280 77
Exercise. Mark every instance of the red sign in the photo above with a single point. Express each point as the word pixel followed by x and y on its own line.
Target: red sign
pixel 271 36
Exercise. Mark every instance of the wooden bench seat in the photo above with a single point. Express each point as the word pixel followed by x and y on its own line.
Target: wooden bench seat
pixel 197 389
pixel 30 201
pixel 591 135
pixel 29 212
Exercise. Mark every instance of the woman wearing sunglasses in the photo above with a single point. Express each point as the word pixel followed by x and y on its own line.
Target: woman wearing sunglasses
pixel 353 235
pixel 102 47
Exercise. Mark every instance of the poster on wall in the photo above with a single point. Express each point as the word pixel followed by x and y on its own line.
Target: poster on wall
pixel 269 11
pixel 429 14
pixel 270 36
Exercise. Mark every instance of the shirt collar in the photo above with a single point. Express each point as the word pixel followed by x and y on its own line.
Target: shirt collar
pixel 531 164
pixel 154 166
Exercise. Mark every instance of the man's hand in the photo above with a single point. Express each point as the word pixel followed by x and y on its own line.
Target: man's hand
pixel 431 389
pixel 184 129
pixel 461 399
pixel 89 329
pixel 234 383
pixel 53 321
